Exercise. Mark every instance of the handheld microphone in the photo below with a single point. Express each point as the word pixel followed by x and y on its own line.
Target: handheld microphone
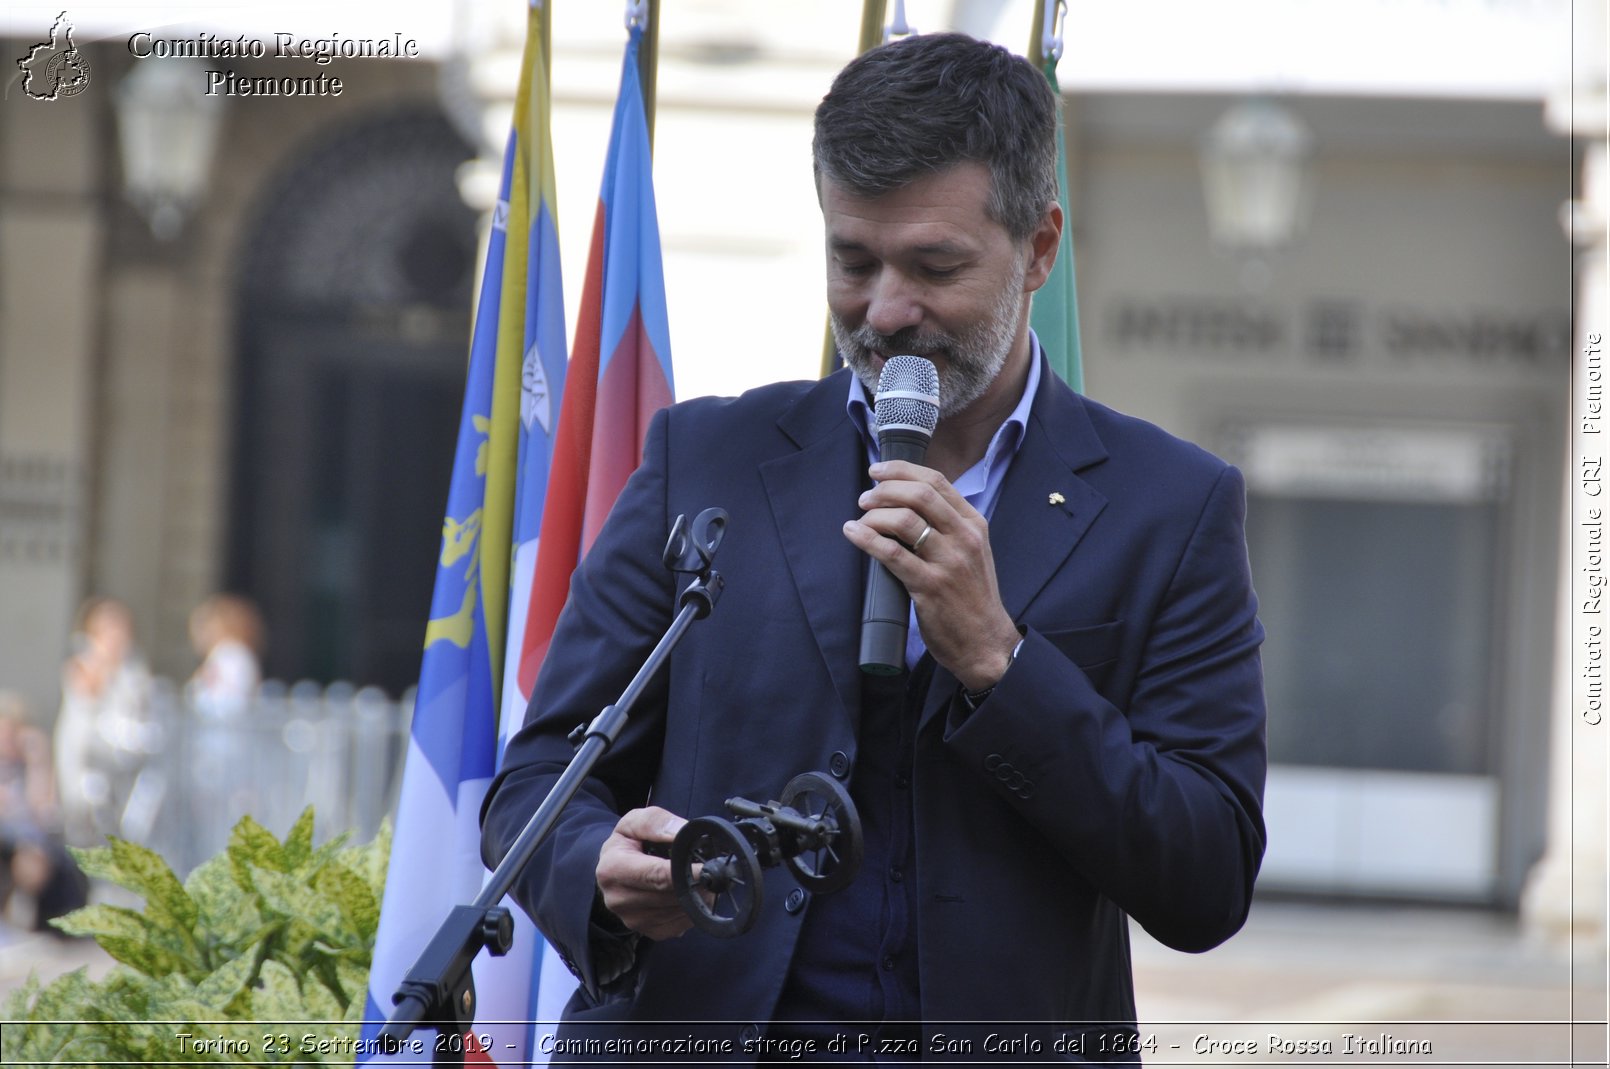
pixel 907 408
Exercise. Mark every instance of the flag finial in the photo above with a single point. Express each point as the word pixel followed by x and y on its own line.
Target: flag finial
pixel 898 26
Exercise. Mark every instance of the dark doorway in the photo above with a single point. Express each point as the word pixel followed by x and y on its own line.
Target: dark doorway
pixel 354 324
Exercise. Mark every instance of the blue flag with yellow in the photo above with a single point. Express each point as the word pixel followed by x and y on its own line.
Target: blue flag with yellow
pixel 515 377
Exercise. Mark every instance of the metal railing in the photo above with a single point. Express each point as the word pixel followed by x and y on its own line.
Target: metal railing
pixel 337 748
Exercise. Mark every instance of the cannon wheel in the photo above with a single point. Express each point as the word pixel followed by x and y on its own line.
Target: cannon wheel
pixel 724 896
pixel 831 866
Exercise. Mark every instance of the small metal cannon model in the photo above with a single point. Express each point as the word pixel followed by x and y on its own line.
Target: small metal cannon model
pixel 716 863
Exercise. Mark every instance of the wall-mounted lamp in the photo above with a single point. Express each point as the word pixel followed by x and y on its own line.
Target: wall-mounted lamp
pixel 168 130
pixel 1256 178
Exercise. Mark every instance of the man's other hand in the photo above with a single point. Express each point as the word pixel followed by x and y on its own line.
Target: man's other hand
pixel 637 885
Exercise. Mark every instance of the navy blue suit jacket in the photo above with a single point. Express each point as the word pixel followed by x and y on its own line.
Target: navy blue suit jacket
pixel 1117 768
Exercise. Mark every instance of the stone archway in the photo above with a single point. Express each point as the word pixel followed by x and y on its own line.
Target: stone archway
pixel 354 308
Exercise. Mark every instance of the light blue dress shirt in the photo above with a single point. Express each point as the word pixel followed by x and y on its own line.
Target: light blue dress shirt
pixel 979 484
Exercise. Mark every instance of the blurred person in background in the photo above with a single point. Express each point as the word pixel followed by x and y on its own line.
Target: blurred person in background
pixel 38 879
pixel 226 631
pixel 105 730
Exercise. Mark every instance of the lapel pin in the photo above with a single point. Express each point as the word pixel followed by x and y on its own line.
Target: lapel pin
pixel 1056 498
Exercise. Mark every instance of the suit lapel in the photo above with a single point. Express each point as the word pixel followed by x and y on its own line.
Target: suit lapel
pixel 1044 508
pixel 811 493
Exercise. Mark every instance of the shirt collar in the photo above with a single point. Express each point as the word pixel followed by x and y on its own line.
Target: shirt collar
pixel 1002 445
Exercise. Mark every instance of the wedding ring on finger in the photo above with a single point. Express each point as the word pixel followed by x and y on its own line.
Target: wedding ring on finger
pixel 916 546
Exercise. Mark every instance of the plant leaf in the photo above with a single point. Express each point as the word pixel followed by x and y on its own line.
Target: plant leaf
pixel 132 938
pixel 102 919
pixel 143 871
pixel 277 996
pixel 252 844
pixel 228 918
pixel 298 846
pixel 285 896
pixel 226 983
pixel 371 860
pixel 360 913
pixel 353 976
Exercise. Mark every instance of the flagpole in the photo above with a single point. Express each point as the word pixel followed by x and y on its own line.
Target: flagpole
pixel 873 13
pixel 648 64
pixel 439 991
pixel 1055 313
pixel 545 23
pixel 872 16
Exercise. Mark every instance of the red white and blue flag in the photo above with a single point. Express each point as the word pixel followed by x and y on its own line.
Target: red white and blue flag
pixel 620 370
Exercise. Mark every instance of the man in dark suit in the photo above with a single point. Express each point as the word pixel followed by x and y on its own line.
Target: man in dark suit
pixel 1079 737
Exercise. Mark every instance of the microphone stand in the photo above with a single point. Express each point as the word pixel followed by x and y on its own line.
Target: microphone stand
pixel 439 991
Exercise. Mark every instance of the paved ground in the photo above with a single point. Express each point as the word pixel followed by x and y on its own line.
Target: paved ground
pixel 1468 985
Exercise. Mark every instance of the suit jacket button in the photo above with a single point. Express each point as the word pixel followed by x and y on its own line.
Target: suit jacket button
pixel 748 1034
pixel 839 764
pixel 795 901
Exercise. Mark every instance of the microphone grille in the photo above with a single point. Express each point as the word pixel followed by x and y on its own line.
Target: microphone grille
pixel 908 394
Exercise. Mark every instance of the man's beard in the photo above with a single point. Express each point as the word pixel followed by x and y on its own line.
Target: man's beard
pixel 972 358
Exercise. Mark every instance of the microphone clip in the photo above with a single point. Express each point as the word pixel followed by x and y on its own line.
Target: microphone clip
pixel 692 551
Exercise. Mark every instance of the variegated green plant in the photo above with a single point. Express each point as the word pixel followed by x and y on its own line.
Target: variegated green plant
pixel 261 955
